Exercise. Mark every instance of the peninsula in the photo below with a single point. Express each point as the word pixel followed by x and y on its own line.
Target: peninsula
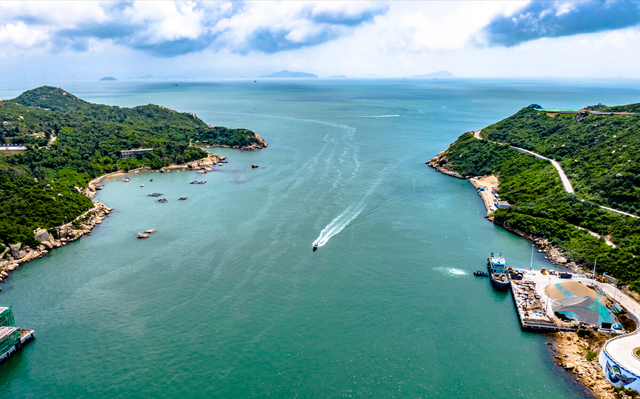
pixel 567 180
pixel 597 150
pixel 46 189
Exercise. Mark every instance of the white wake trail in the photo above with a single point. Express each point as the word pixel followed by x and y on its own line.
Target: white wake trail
pixel 336 226
pixel 379 116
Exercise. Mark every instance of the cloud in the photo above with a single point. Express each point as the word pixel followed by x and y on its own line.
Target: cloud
pixel 168 29
pixel 541 19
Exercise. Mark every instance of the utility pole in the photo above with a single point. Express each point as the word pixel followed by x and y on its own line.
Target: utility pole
pixel 594 272
pixel 546 310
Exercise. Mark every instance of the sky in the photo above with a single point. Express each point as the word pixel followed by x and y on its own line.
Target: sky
pixel 84 41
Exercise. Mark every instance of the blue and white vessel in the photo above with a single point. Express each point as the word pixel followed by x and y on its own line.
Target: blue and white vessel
pixel 498 272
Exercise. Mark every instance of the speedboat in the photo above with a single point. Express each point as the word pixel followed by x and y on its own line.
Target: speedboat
pixel 480 273
pixel 315 246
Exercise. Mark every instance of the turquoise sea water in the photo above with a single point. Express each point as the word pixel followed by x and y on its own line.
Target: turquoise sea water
pixel 228 300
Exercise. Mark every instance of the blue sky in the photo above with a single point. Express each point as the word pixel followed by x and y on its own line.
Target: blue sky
pixel 211 40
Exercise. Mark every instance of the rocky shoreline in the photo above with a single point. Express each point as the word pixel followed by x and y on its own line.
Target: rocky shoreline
pixel 17 255
pixel 553 254
pixel 571 351
pixel 253 146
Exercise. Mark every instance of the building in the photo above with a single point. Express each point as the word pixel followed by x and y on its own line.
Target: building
pixel 134 153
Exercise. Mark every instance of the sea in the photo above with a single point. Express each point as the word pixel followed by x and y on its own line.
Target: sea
pixel 227 298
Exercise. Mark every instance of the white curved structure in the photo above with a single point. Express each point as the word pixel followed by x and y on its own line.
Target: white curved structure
pixel 616 358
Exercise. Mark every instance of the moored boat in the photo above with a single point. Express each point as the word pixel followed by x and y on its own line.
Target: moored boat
pixel 480 273
pixel 498 273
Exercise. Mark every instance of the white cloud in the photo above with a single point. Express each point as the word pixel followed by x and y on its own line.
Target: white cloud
pixel 21 36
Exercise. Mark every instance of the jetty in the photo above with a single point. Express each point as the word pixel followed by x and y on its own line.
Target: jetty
pixel 534 313
pixel 538 295
pixel 12 338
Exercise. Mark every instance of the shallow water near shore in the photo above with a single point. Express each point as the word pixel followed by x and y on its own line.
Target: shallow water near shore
pixel 227 298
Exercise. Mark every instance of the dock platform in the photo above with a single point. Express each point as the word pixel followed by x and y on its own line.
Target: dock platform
pixel 533 313
pixel 12 339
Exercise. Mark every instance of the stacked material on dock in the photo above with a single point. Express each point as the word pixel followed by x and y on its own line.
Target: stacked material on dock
pixel 6 317
pixel 531 312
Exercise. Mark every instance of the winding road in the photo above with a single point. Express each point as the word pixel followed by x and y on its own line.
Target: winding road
pixel 566 183
pixel 621 348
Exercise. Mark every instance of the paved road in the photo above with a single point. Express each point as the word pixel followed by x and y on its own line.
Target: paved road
pixel 566 183
pixel 621 348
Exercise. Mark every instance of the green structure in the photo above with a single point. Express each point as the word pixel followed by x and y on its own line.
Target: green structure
pixel 6 317
pixel 9 337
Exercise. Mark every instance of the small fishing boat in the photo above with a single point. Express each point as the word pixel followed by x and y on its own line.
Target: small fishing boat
pixel 480 273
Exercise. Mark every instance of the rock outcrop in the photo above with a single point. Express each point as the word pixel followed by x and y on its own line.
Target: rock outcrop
pixel 19 254
pixel 439 163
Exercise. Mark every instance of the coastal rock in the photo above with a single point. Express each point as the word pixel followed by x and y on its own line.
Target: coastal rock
pixel 42 235
pixel 48 245
pixel 16 251
pixel 439 163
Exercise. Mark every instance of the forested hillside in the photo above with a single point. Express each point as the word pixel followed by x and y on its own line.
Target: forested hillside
pixel 37 186
pixel 601 155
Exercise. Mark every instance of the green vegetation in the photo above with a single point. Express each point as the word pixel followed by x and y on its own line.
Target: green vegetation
pixel 38 186
pixel 622 392
pixel 600 154
pixel 585 147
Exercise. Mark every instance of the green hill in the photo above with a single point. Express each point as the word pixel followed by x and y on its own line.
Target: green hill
pixel 37 186
pixel 601 156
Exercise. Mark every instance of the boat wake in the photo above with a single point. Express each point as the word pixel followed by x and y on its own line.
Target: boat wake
pixel 336 226
pixel 378 116
pixel 450 271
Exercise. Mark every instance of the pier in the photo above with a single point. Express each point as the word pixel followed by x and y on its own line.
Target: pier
pixel 533 311
pixel 534 306
pixel 12 338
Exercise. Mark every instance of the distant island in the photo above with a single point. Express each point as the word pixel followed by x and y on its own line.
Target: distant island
pixel 46 191
pixel 107 79
pixel 338 76
pixel 289 74
pixel 436 75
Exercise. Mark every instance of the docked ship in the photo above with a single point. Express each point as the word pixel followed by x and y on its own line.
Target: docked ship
pixel 498 272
